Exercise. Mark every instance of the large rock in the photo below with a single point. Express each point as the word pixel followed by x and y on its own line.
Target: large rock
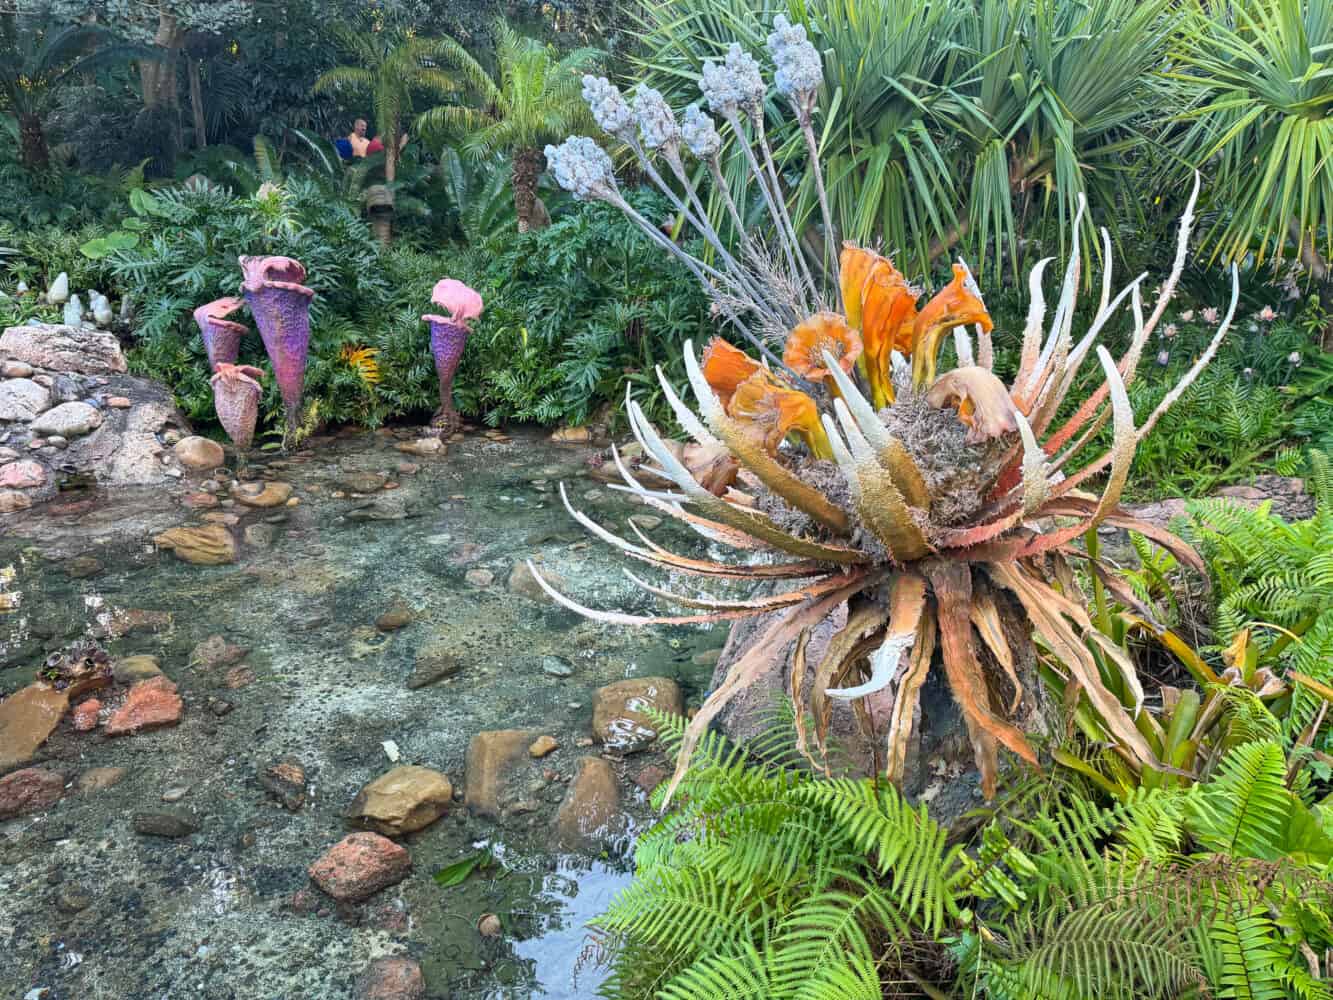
pixel 494 769
pixel 402 800
pixel 591 807
pixel 27 718
pixel 22 475
pixel 68 420
pixel 151 704
pixel 28 790
pixel 22 399
pixel 617 711
pixel 61 348
pixel 196 452
pixel 360 865
pixel 204 545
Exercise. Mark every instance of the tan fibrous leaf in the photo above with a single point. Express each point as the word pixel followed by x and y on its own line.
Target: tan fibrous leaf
pixel 980 399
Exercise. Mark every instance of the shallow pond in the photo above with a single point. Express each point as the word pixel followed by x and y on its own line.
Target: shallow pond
pixel 90 908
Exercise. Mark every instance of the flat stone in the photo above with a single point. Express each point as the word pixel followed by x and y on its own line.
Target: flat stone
pixel 617 719
pixel 428 447
pixel 571 435
pixel 216 651
pixel 72 899
pixel 29 790
pixel 97 779
pixel 132 669
pixel 175 793
pixel 399 615
pixel 490 766
pixel 68 420
pixel 195 452
pixel 524 584
pixel 238 677
pixel 119 402
pixel 151 704
pixel 554 666
pixel 591 806
pixel 168 824
pixel 12 501
pixel 22 399
pixel 391 979
pixel 273 494
pixel 85 715
pixel 27 718
pixel 60 348
pixel 15 369
pixel 205 545
pixel 479 577
pixel 82 567
pixel 542 746
pixel 200 501
pixel 402 800
pixel 360 865
pixel 360 482
pixel 433 663
pixel 260 536
pixel 222 517
pixel 285 781
pixel 645 521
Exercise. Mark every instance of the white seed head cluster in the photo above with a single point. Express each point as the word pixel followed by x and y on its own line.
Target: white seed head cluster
pixel 734 83
pixel 799 69
pixel 657 122
pixel 608 106
pixel 581 166
pixel 700 133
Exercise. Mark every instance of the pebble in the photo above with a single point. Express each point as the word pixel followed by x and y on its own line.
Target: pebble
pixel 479 577
pixel 15 369
pixel 391 979
pixel 85 715
pixel 82 567
pixel 118 402
pixel 238 677
pixel 556 667
pixel 284 780
pixel 175 793
pixel 97 779
pixel 398 616
pixel 542 746
pixel 72 898
pixel 170 825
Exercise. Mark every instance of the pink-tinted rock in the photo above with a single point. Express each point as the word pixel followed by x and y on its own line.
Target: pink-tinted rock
pixel 239 677
pixel 22 475
pixel 85 715
pixel 151 704
pixel 391 979
pixel 360 865
pixel 119 402
pixel 200 501
pixel 28 790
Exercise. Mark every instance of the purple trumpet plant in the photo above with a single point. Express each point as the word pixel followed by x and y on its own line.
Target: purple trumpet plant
pixel 236 394
pixel 448 334
pixel 222 337
pixel 281 307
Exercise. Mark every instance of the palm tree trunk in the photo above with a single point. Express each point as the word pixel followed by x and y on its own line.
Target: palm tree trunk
pixel 527 167
pixel 197 105
pixel 32 142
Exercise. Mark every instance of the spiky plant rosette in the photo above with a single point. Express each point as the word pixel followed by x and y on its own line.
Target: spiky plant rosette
pixel 933 516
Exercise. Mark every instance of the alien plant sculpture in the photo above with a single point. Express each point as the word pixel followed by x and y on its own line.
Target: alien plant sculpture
pixel 448 334
pixel 222 337
pixel 236 393
pixel 924 503
pixel 281 307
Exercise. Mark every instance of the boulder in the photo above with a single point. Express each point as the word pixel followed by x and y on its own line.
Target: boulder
pixel 22 399
pixel 205 545
pixel 151 704
pixel 402 800
pixel 68 420
pixel 617 711
pixel 29 790
pixel 195 452
pixel 360 865
pixel 493 758
pixel 27 718
pixel 61 348
pixel 591 806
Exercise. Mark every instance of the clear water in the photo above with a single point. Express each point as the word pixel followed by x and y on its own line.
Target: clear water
pixel 210 915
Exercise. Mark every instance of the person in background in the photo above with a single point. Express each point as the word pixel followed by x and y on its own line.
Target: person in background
pixel 360 144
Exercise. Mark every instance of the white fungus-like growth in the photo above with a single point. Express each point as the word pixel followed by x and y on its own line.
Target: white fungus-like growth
pixel 799 68
pixel 657 122
pixel 608 105
pixel 700 133
pixel 582 167
pixel 734 83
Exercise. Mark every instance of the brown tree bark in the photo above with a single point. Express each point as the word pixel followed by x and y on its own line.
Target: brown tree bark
pixel 527 167
pixel 35 153
pixel 157 77
pixel 197 105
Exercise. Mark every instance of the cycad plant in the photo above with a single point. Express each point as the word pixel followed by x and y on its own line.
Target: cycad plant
pixel 533 99
pixel 921 502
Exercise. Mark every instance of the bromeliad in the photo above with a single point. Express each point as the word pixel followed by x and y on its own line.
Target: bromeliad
pixel 936 515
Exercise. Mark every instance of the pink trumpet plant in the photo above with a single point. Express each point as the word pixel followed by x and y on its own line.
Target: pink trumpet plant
pixel 448 334
pixel 236 392
pixel 281 307
pixel 222 337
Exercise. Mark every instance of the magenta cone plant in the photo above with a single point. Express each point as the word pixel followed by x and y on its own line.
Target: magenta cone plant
pixel 236 394
pixel 448 334
pixel 281 307
pixel 222 337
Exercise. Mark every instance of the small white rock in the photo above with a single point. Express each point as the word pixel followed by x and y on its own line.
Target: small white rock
pixel 59 290
pixel 391 751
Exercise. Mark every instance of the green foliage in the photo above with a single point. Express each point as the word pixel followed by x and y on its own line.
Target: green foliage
pixel 764 881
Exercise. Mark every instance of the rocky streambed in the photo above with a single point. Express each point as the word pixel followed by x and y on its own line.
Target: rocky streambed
pixel 248 720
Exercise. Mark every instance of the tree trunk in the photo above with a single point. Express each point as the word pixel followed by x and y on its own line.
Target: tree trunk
pixel 527 167
pixel 32 143
pixel 391 158
pixel 157 77
pixel 197 105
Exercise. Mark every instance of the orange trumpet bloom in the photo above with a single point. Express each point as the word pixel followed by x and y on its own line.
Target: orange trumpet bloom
pixel 725 367
pixel 807 343
pixel 769 411
pixel 954 305
pixel 854 264
pixel 888 312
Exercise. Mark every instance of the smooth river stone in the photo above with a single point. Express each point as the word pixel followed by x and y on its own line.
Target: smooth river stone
pixel 27 718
